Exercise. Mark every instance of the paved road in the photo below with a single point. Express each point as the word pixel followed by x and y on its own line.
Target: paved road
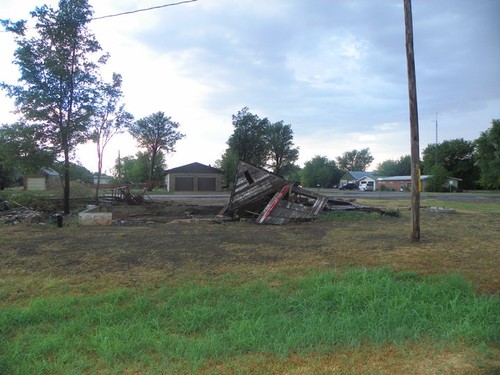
pixel 464 197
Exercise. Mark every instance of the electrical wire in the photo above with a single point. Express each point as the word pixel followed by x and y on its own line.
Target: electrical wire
pixel 143 10
pixel 136 11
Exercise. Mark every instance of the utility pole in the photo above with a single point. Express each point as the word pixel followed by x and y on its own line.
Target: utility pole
pixel 436 145
pixel 414 136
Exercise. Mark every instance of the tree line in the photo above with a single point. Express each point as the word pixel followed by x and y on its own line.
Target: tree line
pixel 63 101
pixel 270 145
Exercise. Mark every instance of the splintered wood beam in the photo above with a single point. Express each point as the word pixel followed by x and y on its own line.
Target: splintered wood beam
pixel 272 203
pixel 318 205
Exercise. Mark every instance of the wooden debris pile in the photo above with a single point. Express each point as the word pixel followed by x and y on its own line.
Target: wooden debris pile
pixel 270 199
pixel 13 216
pixel 123 194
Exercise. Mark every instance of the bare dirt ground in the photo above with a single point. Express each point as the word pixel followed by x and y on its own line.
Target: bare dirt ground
pixel 175 237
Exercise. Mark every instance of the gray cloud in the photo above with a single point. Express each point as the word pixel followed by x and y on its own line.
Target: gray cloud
pixel 334 68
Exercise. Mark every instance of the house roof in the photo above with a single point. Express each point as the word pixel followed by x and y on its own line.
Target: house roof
pixel 49 172
pixel 358 175
pixel 194 168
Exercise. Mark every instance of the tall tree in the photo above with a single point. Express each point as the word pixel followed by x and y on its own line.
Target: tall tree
pixel 439 178
pixel 320 172
pixel 228 164
pixel 136 168
pixel 155 133
pixel 457 157
pixel 109 119
pixel 355 160
pixel 22 151
pixel 58 65
pixel 77 172
pixel 282 153
pixel 248 140
pixel 398 167
pixel 488 156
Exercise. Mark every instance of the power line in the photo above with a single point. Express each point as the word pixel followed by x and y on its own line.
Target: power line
pixel 143 10
pixel 136 11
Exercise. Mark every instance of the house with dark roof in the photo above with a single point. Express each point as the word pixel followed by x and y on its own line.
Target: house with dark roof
pixel 194 177
pixel 366 180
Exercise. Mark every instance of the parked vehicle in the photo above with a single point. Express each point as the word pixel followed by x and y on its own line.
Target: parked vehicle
pixel 366 186
pixel 349 186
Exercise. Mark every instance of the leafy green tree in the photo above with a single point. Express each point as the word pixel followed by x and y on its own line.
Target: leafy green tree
pixel 355 160
pixel 109 119
pixel 488 156
pixel 282 153
pixel 320 171
pixel 21 152
pixel 399 167
pixel 439 178
pixel 77 172
pixel 293 173
pixel 128 170
pixel 155 133
pixel 228 164
pixel 58 65
pixel 8 165
pixel 135 169
pixel 248 140
pixel 457 157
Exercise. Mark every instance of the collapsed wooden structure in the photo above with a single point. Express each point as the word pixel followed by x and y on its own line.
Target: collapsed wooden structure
pixel 270 199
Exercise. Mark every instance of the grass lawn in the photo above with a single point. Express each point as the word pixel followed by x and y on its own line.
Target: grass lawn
pixel 348 294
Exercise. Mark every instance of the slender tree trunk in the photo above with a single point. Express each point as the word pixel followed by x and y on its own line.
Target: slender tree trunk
pixel 99 171
pixel 151 171
pixel 412 91
pixel 66 131
pixel 66 182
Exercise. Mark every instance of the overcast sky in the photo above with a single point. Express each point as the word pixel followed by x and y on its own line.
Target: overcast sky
pixel 335 70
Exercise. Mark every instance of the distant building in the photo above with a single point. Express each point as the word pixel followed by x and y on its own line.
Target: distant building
pixel 105 179
pixel 365 180
pixel 402 183
pixel 45 179
pixel 194 177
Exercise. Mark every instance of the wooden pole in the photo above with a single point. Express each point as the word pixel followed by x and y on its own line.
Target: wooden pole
pixel 415 153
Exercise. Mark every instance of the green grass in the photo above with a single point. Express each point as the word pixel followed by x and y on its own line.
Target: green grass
pixel 465 206
pixel 348 216
pixel 181 326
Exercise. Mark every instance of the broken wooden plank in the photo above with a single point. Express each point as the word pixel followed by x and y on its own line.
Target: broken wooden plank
pixel 257 190
pixel 272 203
pixel 253 187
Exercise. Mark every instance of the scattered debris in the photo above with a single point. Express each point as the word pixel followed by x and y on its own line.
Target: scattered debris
pixel 270 199
pixel 20 214
pixel 123 194
pixel 441 210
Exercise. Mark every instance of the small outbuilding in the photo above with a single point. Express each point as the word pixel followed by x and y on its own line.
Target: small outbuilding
pixel 45 179
pixel 194 177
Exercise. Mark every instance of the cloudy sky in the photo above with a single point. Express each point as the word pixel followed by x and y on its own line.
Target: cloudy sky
pixel 335 70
